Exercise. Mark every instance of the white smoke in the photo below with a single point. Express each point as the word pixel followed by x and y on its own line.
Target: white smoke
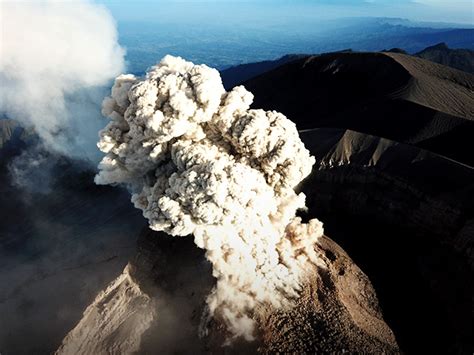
pixel 54 56
pixel 199 161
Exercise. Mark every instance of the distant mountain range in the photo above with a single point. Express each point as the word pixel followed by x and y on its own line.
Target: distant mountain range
pixel 462 59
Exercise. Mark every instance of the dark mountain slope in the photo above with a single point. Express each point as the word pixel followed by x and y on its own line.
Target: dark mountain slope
pixel 389 95
pixel 402 207
pixel 406 216
pixel 12 137
pixel 462 59
pixel 62 239
pixel 7 130
pixel 239 73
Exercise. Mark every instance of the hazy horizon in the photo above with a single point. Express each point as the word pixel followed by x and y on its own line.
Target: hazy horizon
pixel 270 12
pixel 222 33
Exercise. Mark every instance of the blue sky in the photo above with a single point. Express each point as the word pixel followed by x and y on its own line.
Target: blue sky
pixel 452 11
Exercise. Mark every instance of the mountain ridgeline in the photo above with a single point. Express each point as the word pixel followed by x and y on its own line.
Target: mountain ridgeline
pixel 394 178
pixel 390 95
pixel 462 59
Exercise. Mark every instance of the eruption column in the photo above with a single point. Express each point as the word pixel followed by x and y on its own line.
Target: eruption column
pixel 199 161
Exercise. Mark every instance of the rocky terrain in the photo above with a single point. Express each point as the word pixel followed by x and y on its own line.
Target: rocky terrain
pixel 13 138
pixel 157 305
pixel 411 213
pixel 390 134
pixel 462 59
pixel 60 242
pixel 7 129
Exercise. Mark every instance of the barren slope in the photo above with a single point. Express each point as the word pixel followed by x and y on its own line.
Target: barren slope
pixel 389 95
pixel 406 217
pixel 162 294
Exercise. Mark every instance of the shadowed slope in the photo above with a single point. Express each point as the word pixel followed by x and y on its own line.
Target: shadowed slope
pixel 462 59
pixel 234 75
pixel 401 207
pixel 169 279
pixel 406 217
pixel 389 95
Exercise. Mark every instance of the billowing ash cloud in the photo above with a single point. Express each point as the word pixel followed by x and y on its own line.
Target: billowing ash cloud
pixel 54 57
pixel 199 161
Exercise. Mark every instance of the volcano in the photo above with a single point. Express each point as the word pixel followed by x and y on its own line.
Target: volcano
pixel 394 184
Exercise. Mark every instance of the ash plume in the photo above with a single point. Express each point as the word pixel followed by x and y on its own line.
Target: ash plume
pixel 55 59
pixel 199 161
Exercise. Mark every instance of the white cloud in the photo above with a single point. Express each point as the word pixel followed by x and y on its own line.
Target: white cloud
pixel 54 55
